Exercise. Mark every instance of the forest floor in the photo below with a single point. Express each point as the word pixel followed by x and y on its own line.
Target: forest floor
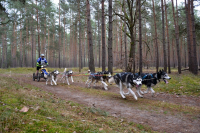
pixel 164 112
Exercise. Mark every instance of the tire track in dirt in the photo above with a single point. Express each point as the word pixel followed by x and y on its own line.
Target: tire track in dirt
pixel 118 108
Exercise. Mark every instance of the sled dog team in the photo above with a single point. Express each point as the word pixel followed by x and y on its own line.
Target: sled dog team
pixel 123 79
pixel 52 76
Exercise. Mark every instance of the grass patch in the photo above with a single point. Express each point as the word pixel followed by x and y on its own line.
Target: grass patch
pixel 48 113
pixel 184 84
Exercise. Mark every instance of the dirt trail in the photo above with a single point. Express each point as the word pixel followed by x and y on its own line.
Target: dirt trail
pixel 118 107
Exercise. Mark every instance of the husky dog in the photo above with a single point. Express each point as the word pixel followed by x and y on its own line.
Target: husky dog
pixel 127 79
pixel 66 75
pixel 99 76
pixel 151 80
pixel 53 77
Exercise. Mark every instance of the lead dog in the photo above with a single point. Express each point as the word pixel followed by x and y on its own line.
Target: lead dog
pixel 53 77
pixel 127 79
pixel 66 75
pixel 99 76
pixel 150 80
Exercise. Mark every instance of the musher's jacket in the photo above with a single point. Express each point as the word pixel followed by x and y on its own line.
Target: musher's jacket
pixel 41 61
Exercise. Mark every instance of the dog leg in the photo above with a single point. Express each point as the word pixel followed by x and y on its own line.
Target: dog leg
pixel 67 81
pixel 105 85
pixel 127 86
pixel 90 82
pixel 152 92
pixel 121 90
pixel 72 79
pixel 62 78
pixel 51 81
pixel 87 82
pixel 47 80
pixel 138 91
pixel 148 89
pixel 126 93
pixel 54 80
pixel 95 83
pixel 133 93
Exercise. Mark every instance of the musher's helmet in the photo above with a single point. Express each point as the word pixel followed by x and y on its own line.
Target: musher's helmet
pixel 42 55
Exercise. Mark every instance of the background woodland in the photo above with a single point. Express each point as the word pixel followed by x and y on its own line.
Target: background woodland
pixel 127 34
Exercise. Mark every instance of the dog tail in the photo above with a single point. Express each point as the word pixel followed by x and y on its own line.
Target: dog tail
pixel 65 70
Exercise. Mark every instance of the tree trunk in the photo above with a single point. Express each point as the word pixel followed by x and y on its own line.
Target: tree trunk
pixel 4 48
pixel 187 12
pixel 14 45
pixel 38 31
pixel 169 68
pixel 48 47
pixel 80 53
pixel 140 37
pixel 20 49
pixel 195 64
pixel 44 43
pixel 164 45
pixel 125 41
pixel 177 38
pixel 110 56
pixel 32 40
pixel 64 45
pixel 59 48
pixel 134 48
pixel 91 64
pixel 103 38
pixel 99 40
pixel 156 38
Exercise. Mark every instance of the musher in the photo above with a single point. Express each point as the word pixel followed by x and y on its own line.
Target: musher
pixel 41 61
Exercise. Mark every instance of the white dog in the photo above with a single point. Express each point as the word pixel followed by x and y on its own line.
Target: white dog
pixel 53 77
pixel 66 75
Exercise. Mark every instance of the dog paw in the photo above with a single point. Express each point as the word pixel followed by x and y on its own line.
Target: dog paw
pixel 145 92
pixel 136 99
pixel 123 97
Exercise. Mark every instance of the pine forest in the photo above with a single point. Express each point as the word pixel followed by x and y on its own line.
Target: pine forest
pixel 127 34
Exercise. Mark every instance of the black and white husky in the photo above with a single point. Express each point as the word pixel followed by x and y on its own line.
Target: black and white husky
pixel 66 76
pixel 127 79
pixel 52 76
pixel 150 80
pixel 99 76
